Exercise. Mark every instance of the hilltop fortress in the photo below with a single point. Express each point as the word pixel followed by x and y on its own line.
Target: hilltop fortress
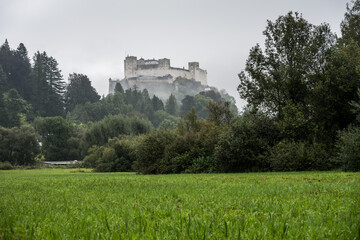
pixel 158 76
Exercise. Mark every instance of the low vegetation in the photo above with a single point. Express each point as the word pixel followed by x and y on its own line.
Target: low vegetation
pixel 68 204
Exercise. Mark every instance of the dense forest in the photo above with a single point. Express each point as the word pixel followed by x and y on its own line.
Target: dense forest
pixel 303 112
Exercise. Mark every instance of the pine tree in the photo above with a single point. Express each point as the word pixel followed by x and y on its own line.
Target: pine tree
pixel 48 86
pixel 147 106
pixel 16 66
pixel 171 106
pixel 5 47
pixel 119 88
pixel 3 81
pixel 186 104
pixel 79 91
pixel 22 72
pixel 157 104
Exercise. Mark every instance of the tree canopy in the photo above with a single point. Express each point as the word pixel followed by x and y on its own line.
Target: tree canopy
pixel 79 91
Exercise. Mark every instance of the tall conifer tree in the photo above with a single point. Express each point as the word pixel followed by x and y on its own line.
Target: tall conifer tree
pixel 48 86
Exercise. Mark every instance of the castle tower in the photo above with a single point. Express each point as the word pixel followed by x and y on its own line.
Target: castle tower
pixel 164 63
pixel 193 66
pixel 197 73
pixel 130 66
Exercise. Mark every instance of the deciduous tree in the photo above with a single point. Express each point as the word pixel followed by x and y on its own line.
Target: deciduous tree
pixel 294 49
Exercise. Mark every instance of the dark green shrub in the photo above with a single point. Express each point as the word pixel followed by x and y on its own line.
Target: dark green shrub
pixel 19 146
pixel 150 151
pixel 298 156
pixel 125 154
pixel 177 163
pixel 195 139
pixel 113 126
pixel 348 149
pixel 169 120
pixel 107 161
pixel 117 155
pixel 94 153
pixel 60 140
pixel 6 166
pixel 242 145
pixel 167 124
pixel 202 165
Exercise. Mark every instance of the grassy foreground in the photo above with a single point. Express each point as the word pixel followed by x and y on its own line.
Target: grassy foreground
pixel 60 204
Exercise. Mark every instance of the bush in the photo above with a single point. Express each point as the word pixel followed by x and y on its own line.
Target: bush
pixel 289 155
pixel 112 126
pixel 94 153
pixel 194 142
pixel 117 155
pixel 167 124
pixel 150 151
pixel 107 161
pixel 6 166
pixel 161 116
pixel 202 165
pixel 348 149
pixel 60 140
pixel 242 145
pixel 19 146
pixel 188 148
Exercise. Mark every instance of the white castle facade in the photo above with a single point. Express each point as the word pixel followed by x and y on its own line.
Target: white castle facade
pixel 141 72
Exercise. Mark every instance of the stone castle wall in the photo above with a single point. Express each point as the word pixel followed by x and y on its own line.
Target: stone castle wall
pixel 157 75
pixel 159 68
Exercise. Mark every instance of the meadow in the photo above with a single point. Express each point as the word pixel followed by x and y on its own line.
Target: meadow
pixel 71 204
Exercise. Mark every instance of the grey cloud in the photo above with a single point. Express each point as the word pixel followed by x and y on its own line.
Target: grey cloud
pixel 93 37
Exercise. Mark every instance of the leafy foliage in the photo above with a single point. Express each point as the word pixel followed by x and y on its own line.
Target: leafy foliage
pixel 348 146
pixel 117 155
pixel 112 126
pixel 220 113
pixel 289 155
pixel 6 166
pixel 79 91
pixel 59 139
pixel 174 151
pixel 151 151
pixel 19 145
pixel 350 25
pixel 243 145
pixel 13 109
pixel 130 102
pixel 162 117
pixel 204 99
pixel 294 49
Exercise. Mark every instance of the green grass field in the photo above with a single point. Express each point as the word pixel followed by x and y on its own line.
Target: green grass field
pixel 65 204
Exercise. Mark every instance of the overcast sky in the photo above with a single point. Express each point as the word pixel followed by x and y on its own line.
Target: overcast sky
pixel 93 37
